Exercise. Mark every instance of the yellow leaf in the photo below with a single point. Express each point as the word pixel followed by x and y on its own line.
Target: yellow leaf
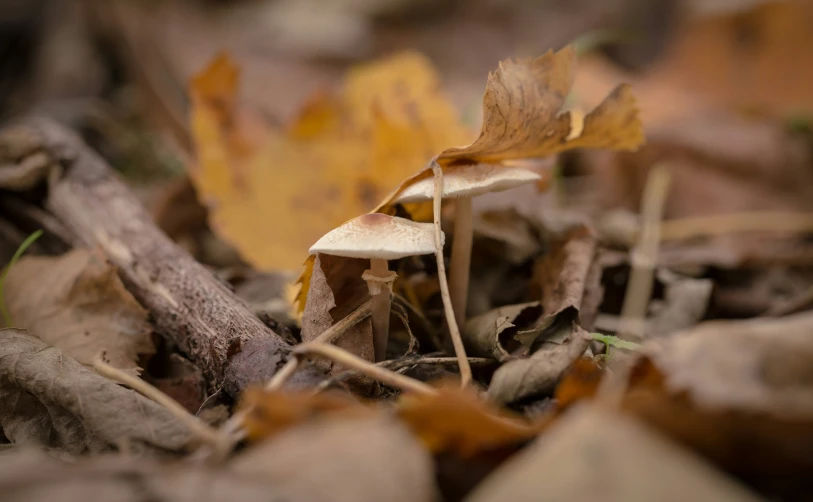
pixel 272 194
pixel 523 114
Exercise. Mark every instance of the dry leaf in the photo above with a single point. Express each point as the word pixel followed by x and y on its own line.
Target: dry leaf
pixel 591 453
pixel 492 334
pixel 49 399
pixel 569 279
pixel 335 459
pixel 272 412
pixel 523 114
pixel 342 155
pixel 755 366
pixel 457 420
pixel 317 316
pixel 77 303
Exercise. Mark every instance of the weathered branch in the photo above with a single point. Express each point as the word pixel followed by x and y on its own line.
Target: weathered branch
pixel 187 302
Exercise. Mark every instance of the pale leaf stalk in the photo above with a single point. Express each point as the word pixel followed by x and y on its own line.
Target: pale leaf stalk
pixel 374 371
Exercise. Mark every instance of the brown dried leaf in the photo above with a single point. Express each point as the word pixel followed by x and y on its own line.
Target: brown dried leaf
pixel 569 279
pixel 351 459
pixel 77 303
pixel 756 366
pixel 523 114
pixel 492 334
pixel 321 311
pixel 457 420
pixel 47 398
pixel 591 451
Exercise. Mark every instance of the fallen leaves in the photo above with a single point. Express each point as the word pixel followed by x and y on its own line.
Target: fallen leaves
pixel 77 303
pixel 340 156
pixel 49 399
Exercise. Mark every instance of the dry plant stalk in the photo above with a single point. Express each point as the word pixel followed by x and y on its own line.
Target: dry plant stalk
pixel 644 254
pixel 327 336
pixel 375 371
pixel 454 330
pixel 639 288
pixel 200 430
pixel 750 221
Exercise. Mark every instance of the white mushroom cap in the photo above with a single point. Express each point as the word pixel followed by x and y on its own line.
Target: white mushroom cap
pixel 377 235
pixel 467 181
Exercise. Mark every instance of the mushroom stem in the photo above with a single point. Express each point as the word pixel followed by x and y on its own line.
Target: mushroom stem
pixel 460 265
pixel 381 309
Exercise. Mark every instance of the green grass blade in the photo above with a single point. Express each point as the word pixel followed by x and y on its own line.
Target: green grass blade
pixel 614 341
pixel 20 250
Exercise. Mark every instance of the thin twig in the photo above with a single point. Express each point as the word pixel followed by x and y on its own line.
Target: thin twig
pixel 327 336
pixel 202 431
pixel 454 330
pixel 374 371
pixel 639 288
pixel 752 221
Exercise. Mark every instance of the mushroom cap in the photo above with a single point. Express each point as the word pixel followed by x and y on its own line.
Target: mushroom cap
pixel 377 235
pixel 467 181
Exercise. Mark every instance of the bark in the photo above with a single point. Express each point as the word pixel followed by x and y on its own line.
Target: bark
pixel 188 304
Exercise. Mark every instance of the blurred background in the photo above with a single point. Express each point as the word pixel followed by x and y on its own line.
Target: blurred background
pixel 725 90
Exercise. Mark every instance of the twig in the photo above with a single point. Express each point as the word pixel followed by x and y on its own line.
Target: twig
pixel 454 330
pixel 372 370
pixel 398 364
pixel 327 336
pixel 720 224
pixel 203 432
pixel 639 288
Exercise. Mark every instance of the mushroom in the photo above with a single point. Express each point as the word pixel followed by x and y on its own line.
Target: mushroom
pixel 463 183
pixel 378 237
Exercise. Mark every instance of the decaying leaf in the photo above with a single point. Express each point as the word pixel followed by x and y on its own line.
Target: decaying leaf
pixel 272 412
pixel 47 398
pixel 344 152
pixel 321 301
pixel 592 453
pixel 457 420
pixel 361 459
pixel 523 114
pixel 756 366
pixel 493 334
pixel 77 303
pixel 568 277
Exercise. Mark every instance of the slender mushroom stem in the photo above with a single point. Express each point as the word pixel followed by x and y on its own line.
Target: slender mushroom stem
pixel 460 265
pixel 381 309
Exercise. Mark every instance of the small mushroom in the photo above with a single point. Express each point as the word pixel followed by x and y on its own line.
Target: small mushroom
pixel 378 237
pixel 462 183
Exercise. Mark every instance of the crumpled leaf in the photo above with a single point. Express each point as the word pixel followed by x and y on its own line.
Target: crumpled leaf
pixel 592 451
pixel 569 278
pixel 523 114
pixel 47 398
pixel 493 334
pixel 77 303
pixel 361 459
pixel 344 153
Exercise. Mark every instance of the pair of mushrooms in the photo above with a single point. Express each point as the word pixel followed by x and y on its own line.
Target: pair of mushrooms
pixel 380 238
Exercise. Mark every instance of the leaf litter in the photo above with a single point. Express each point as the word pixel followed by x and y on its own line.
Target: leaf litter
pixel 722 403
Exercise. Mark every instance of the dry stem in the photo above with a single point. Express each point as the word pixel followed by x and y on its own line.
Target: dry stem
pixel 203 432
pixel 454 330
pixel 377 372
pixel 639 287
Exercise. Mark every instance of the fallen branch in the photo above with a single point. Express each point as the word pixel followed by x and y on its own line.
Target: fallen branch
pixel 188 304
